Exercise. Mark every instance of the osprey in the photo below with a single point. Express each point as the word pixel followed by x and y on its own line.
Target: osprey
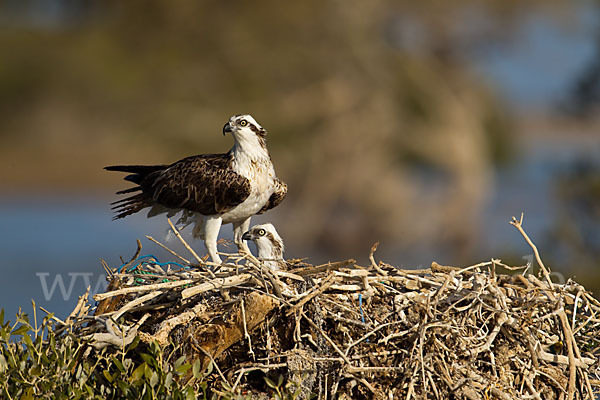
pixel 210 189
pixel 269 245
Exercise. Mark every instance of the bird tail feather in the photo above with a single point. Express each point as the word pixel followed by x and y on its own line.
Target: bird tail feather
pixel 129 205
pixel 132 204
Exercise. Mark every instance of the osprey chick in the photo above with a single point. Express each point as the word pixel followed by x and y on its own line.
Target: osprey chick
pixel 210 189
pixel 269 245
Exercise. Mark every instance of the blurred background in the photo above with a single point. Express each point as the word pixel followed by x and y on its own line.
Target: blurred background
pixel 422 125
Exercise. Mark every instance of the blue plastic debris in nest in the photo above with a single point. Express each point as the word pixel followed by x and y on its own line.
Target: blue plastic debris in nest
pixel 362 314
pixel 149 260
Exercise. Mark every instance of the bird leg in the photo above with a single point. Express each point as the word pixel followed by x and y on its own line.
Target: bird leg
pixel 239 228
pixel 198 231
pixel 212 225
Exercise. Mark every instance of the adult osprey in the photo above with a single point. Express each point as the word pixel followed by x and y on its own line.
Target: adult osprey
pixel 210 189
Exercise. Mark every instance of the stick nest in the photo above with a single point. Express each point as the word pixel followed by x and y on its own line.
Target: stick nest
pixel 346 331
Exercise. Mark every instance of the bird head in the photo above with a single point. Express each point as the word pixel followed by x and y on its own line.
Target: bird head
pixel 268 242
pixel 246 130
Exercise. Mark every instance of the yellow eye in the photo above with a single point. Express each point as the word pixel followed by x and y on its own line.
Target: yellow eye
pixel 243 122
pixel 261 232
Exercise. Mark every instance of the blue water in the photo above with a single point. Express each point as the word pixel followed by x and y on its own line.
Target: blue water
pixel 48 239
pixel 537 70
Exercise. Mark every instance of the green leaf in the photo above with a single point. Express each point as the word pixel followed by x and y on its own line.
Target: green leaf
pixel 270 383
pixel 79 372
pixel 179 362
pixel 3 363
pixel 154 379
pixel 181 366
pixel 168 380
pixel 11 360
pixel 138 373
pixel 182 369
pixel 147 372
pixel 118 363
pixel 5 335
pixel 108 376
pixel 133 344
pixel 1 316
pixel 148 358
pixel 226 386
pixel 196 369
pixel 21 330
pixel 27 340
pixel 28 395
pixel 124 387
pixel 189 394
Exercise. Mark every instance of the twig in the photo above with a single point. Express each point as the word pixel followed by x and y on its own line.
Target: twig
pixel 79 307
pixel 372 259
pixel 185 260
pixel 246 334
pixel 331 342
pixel 563 317
pixel 206 353
pixel 188 247
pixel 107 269
pixel 325 284
pixel 260 266
pixel 138 251
pixel 134 303
pixel 143 288
pixel 60 321
pixel 519 225
pixel 216 283
pixel 306 271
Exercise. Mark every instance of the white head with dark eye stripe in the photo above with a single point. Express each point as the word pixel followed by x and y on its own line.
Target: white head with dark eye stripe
pixel 268 243
pixel 246 131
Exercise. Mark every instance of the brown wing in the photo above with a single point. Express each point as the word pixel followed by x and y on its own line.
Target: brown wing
pixel 277 196
pixel 204 184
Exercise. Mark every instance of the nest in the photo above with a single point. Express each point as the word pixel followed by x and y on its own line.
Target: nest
pixel 341 330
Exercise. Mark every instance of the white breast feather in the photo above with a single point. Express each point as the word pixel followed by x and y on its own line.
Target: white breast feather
pixel 261 175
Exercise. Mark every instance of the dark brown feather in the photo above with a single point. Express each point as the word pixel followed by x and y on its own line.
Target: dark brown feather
pixel 276 198
pixel 205 184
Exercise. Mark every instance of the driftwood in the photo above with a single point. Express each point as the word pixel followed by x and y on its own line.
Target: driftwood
pixel 215 338
pixel 341 330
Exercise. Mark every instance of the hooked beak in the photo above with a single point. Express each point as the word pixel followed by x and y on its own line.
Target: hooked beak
pixel 247 236
pixel 227 128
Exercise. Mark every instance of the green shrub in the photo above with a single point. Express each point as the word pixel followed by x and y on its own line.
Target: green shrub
pixel 47 361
